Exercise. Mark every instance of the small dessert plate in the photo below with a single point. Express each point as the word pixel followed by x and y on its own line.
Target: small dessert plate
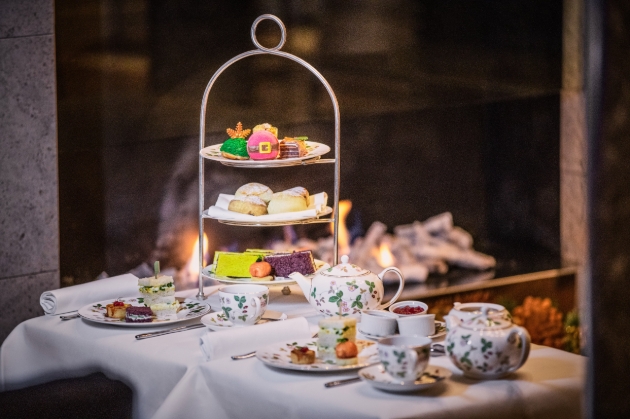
pixel 315 150
pixel 376 376
pixel 97 312
pixel 219 321
pixel 440 330
pixel 279 356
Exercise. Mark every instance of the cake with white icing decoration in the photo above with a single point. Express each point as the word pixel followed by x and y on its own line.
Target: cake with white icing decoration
pixel 254 189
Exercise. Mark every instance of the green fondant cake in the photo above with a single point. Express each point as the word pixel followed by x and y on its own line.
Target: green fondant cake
pixel 235 148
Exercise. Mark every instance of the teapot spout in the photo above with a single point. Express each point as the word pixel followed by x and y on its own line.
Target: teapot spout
pixel 303 282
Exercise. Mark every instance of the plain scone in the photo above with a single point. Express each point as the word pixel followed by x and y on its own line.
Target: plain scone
pixel 291 200
pixel 254 189
pixel 251 205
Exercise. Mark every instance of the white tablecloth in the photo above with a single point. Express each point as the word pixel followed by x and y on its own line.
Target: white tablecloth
pixel 170 378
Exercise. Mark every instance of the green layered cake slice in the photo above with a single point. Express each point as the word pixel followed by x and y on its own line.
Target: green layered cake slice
pixel 234 264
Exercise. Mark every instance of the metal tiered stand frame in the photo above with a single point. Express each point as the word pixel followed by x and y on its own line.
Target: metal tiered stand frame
pixel 316 160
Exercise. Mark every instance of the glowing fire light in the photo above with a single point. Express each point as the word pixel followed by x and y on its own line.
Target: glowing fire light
pixel 192 267
pixel 344 236
pixel 385 257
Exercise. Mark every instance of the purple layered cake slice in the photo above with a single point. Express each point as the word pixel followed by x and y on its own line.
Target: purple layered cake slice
pixel 139 315
pixel 287 263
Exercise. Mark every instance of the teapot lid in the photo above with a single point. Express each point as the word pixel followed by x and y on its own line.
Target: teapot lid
pixel 486 321
pixel 344 269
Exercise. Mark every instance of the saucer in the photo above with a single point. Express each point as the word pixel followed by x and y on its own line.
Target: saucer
pixel 440 330
pixel 218 321
pixel 376 376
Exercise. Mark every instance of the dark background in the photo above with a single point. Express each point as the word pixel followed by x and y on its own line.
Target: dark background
pixel 445 106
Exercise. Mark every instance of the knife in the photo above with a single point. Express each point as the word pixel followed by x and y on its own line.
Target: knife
pixel 342 382
pixel 169 331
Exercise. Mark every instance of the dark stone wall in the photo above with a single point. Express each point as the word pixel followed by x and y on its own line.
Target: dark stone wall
pixel 608 113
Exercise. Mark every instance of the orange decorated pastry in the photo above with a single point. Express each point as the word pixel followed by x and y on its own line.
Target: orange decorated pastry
pixel 260 269
pixel 117 310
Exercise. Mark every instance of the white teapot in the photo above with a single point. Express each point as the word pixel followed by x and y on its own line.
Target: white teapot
pixel 466 311
pixel 346 289
pixel 486 346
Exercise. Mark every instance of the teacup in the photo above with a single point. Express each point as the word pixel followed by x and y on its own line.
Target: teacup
pixel 404 357
pixel 378 323
pixel 420 325
pixel 244 305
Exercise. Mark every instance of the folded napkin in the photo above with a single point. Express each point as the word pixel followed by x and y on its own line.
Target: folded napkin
pixel 241 340
pixel 72 298
pixel 317 206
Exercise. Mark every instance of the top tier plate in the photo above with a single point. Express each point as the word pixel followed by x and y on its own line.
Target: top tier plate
pixel 315 151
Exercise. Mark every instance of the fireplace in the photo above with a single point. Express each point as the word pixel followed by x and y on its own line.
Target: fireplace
pixel 432 120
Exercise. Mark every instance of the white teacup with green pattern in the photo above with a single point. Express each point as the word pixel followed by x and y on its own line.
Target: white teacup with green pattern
pixel 404 357
pixel 244 305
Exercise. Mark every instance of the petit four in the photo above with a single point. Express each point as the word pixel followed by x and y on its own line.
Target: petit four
pixel 287 263
pixel 251 205
pixel 117 309
pixel 292 147
pixel 235 147
pixel 291 200
pixel 260 269
pixel 346 353
pixel 302 355
pixel 139 315
pixel 332 332
pixel 266 127
pixel 254 189
pixel 262 145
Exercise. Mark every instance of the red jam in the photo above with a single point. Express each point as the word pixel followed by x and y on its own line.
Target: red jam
pixel 119 304
pixel 408 310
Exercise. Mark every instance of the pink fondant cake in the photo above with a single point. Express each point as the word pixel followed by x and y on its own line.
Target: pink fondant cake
pixel 262 145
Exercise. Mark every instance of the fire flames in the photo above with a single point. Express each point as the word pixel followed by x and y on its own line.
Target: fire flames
pixel 192 267
pixel 385 257
pixel 343 237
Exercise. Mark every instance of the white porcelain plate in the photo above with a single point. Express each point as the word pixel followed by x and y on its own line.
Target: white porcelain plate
pixel 96 312
pixel 440 330
pixel 218 321
pixel 278 280
pixel 376 376
pixel 279 356
pixel 315 150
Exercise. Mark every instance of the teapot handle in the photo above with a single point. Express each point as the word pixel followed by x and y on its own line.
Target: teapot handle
pixel 525 345
pixel 400 287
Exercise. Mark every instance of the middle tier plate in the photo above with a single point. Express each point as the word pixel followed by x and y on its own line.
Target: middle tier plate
pixel 279 280
pixel 315 151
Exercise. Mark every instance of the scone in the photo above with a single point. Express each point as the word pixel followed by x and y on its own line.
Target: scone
pixel 254 189
pixel 251 205
pixel 291 200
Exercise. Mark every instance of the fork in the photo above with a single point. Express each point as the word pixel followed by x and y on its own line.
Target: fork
pixel 252 354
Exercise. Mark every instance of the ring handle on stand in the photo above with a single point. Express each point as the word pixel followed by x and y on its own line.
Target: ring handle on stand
pixel 283 32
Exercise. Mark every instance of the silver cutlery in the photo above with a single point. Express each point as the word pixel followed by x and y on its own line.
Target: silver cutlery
pixel 69 316
pixel 169 331
pixel 356 379
pixel 342 382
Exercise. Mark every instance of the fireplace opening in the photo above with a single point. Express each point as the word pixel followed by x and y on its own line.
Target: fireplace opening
pixel 445 108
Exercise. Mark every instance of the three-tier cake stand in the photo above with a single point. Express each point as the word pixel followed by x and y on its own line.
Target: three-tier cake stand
pixel 203 156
